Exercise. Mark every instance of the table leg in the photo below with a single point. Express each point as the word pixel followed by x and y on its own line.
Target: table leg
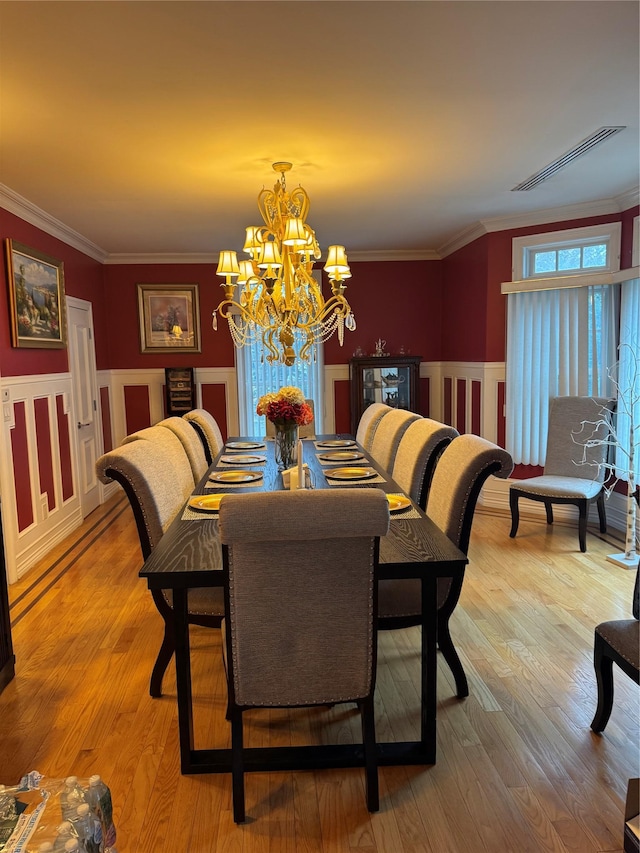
pixel 183 678
pixel 429 681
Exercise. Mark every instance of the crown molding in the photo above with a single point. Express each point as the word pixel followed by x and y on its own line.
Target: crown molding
pixel 624 201
pixel 162 258
pixel 395 255
pixel 16 204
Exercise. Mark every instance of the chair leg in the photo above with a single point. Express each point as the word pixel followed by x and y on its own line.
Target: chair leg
pixel 237 766
pixel 370 754
pixel 515 514
pixel 449 653
pixel 162 662
pixel 582 524
pixel 549 510
pixel 601 513
pixel 603 666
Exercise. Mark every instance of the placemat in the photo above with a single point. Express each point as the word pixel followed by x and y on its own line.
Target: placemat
pixel 189 514
pixel 409 512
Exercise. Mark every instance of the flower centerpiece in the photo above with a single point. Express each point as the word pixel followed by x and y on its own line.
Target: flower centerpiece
pixel 287 410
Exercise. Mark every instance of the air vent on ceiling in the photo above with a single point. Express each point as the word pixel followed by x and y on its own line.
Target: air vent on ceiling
pixel 581 148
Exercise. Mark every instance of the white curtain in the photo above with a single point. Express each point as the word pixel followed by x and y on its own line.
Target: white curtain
pixel 628 408
pixel 257 377
pixel 559 343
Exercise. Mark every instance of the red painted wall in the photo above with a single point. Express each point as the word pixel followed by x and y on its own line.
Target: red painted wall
pixel 122 316
pixel 464 303
pixel 83 279
pixel 398 301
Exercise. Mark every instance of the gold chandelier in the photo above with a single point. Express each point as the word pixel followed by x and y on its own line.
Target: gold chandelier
pixel 280 301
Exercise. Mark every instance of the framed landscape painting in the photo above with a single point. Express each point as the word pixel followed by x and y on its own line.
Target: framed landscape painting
pixel 36 298
pixel 169 316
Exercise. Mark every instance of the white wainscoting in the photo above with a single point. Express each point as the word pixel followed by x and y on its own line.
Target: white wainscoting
pixel 24 548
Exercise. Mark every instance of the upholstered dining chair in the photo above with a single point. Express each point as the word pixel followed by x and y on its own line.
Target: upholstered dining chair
pixel 191 443
pixel 616 642
pixel 157 489
pixel 462 470
pixel 176 457
pixel 388 434
pixel 368 423
pixel 418 453
pixel 208 431
pixel 306 431
pixel 301 593
pixel 573 471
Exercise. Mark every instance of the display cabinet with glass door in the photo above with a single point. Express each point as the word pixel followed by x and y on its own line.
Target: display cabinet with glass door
pixel 390 379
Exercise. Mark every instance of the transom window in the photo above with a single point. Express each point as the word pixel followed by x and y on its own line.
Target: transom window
pixel 570 252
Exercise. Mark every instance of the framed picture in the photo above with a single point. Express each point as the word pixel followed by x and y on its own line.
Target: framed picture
pixel 169 317
pixel 36 298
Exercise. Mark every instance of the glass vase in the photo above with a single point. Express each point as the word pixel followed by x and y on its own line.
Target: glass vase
pixel 286 445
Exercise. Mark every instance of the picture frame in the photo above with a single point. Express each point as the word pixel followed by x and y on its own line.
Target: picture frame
pixel 169 316
pixel 37 305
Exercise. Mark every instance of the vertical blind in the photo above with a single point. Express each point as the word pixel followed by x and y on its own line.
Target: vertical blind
pixel 628 378
pixel 559 343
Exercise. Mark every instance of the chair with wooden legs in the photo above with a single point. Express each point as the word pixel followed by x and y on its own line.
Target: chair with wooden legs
pixel 208 431
pixel 462 470
pixel 301 596
pixel 573 469
pixel 157 484
pixel 369 422
pixel 418 452
pixel 616 642
pixel 386 439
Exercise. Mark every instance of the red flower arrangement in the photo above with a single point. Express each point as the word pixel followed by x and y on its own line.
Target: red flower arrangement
pixel 287 406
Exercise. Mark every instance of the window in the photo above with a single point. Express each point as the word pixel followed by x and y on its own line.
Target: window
pixel 562 328
pixel 256 376
pixel 560 253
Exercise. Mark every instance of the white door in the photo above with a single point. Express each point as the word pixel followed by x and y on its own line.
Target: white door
pixel 82 366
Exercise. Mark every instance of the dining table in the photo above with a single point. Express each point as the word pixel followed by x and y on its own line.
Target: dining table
pixel 189 555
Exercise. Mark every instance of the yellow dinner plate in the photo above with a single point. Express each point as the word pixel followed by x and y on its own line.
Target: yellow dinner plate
pixel 351 473
pixel 398 502
pixel 243 459
pixel 235 476
pixel 206 503
pixel 337 442
pixel 341 456
pixel 244 445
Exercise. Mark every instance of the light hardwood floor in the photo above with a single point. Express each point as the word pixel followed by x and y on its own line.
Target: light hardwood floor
pixel 518 768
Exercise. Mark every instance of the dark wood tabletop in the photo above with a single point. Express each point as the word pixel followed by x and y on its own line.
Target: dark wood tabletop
pixel 189 555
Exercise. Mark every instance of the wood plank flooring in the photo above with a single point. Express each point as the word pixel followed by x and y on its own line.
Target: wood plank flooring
pixel 518 767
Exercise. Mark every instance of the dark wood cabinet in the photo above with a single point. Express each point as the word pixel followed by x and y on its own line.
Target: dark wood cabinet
pixel 390 379
pixel 180 390
pixel 7 658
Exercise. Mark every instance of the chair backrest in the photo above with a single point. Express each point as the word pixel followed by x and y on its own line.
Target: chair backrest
pixel 208 430
pixel 176 459
pixel 418 453
pixel 368 423
pixel 389 431
pixel 306 431
pixel 571 423
pixel 301 594
pixel 149 481
pixel 459 476
pixel 191 443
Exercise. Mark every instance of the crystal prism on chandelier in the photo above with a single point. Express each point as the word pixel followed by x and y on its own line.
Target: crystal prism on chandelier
pixel 279 300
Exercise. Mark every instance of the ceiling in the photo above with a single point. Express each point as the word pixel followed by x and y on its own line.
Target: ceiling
pixel 150 127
